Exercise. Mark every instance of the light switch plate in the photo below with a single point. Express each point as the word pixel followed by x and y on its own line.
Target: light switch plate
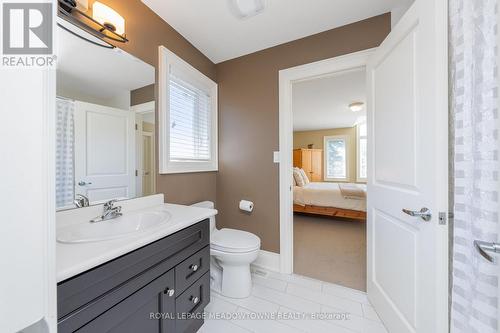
pixel 276 157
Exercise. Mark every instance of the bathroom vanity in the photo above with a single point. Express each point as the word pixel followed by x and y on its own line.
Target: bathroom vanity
pixel 157 280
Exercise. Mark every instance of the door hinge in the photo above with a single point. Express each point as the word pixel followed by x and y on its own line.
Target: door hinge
pixel 136 127
pixel 136 173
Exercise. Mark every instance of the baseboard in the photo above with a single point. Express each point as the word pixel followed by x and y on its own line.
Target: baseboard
pixel 268 260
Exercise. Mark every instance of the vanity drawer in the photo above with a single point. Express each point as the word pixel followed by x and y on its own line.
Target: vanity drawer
pixel 190 305
pixel 192 269
pixel 153 259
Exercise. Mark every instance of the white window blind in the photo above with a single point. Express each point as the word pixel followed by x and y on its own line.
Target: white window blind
pixel 188 117
pixel 189 122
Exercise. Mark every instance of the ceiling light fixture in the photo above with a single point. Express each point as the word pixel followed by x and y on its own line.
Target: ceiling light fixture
pixel 244 9
pixel 356 106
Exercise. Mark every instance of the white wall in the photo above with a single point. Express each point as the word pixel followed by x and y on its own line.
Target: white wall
pixel 27 213
pixel 398 12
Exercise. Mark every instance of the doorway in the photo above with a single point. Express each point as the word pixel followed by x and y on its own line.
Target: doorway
pixel 328 148
pixel 407 202
pixel 289 78
pixel 145 147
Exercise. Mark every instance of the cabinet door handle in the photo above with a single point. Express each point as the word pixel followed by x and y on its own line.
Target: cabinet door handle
pixel 195 299
pixel 193 267
pixel 169 292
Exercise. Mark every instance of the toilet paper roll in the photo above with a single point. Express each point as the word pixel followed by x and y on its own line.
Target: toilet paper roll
pixel 246 206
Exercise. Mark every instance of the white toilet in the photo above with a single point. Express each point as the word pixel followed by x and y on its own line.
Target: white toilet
pixel 231 253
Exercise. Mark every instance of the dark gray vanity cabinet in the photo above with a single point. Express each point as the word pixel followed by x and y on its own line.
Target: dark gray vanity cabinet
pixel 132 315
pixel 161 287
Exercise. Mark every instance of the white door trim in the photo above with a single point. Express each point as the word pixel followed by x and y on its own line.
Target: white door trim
pixel 287 77
pixel 153 171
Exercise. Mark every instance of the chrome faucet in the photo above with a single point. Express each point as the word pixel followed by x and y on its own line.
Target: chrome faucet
pixel 81 201
pixel 109 212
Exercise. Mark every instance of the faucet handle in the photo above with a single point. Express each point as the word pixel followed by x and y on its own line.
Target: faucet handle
pixel 109 204
pixel 81 201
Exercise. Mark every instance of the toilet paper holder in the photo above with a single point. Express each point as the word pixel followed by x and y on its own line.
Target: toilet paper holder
pixel 246 206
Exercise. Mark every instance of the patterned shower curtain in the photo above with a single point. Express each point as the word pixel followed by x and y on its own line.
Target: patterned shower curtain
pixel 475 136
pixel 65 189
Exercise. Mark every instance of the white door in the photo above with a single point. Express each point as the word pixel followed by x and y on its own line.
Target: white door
pixel 408 155
pixel 104 152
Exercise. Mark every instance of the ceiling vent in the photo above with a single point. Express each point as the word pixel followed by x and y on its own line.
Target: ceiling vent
pixel 244 9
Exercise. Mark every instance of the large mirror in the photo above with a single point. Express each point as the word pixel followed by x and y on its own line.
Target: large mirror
pixel 105 123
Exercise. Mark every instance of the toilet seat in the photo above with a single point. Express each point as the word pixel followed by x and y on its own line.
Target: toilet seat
pixel 234 241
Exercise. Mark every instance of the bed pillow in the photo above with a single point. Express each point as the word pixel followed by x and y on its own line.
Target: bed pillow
pixel 293 180
pixel 304 176
pixel 298 177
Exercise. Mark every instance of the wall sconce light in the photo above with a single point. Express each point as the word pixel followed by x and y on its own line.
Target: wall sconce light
pixel 108 18
pixel 105 23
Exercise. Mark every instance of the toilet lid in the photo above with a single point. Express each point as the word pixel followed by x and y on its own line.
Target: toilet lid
pixel 230 240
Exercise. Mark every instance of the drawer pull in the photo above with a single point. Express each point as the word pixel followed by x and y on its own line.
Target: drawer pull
pixel 194 267
pixel 169 292
pixel 195 299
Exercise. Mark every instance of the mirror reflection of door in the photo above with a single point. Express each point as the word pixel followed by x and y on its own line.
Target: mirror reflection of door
pixel 104 152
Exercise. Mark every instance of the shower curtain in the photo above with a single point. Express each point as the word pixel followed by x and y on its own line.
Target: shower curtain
pixel 65 187
pixel 475 142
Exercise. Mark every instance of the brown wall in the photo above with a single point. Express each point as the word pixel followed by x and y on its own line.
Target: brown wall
pixel 303 138
pixel 146 31
pixel 143 95
pixel 248 122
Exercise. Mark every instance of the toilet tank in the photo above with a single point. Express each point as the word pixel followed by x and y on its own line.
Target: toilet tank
pixel 209 205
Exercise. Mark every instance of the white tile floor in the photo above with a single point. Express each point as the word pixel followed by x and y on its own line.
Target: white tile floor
pixel 284 303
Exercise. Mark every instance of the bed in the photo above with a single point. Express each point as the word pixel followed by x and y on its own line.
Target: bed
pixel 345 200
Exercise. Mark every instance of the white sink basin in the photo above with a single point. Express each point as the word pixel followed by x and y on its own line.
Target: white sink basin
pixel 129 223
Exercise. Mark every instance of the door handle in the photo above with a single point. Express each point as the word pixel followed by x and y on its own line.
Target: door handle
pixel 424 213
pixel 82 183
pixel 484 247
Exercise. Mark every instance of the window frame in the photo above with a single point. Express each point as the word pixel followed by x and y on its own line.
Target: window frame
pixel 360 179
pixel 167 60
pixel 345 138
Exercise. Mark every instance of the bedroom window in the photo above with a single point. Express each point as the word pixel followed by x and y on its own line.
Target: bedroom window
pixel 362 157
pixel 335 158
pixel 188 117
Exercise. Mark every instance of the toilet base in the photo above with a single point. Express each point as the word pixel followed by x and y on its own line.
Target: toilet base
pixel 230 273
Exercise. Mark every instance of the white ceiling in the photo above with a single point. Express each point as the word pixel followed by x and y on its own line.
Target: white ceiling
pixel 323 103
pixel 97 73
pixel 216 32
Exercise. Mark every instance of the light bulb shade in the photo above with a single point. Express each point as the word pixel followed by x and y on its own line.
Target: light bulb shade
pixel 356 106
pixel 108 17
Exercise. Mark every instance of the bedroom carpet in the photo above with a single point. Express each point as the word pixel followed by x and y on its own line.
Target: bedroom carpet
pixel 330 250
